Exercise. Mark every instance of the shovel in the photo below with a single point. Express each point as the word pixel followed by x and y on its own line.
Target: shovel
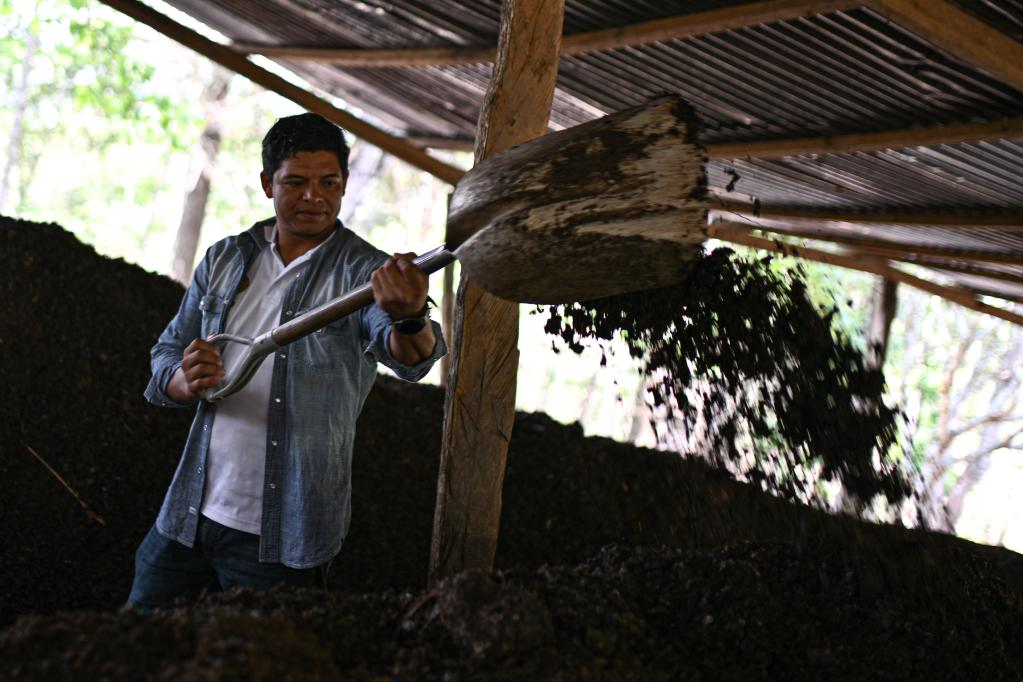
pixel 607 207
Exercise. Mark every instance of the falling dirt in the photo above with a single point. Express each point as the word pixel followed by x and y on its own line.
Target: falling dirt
pixel 739 350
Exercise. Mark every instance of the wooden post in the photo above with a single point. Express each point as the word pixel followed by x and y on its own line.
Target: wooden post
pixel 447 310
pixel 479 409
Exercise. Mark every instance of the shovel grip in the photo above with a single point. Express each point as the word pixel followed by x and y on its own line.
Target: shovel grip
pixel 350 302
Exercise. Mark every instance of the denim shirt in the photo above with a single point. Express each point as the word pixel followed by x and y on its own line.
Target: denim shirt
pixel 319 385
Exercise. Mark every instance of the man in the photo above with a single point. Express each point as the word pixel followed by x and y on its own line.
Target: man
pixel 262 494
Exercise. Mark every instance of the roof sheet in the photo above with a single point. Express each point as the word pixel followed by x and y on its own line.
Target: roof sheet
pixel 828 74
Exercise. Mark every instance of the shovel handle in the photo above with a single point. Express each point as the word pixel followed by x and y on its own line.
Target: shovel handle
pixel 317 318
pixel 351 301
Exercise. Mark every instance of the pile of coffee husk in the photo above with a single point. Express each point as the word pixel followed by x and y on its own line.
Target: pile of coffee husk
pixel 739 353
pixel 615 562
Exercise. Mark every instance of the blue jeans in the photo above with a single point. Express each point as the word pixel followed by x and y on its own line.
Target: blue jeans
pixel 222 558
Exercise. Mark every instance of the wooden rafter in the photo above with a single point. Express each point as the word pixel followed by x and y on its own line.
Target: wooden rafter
pixel 682 26
pixel 446 143
pixel 379 57
pixel 949 220
pixel 738 234
pixel 965 269
pixel 983 291
pixel 1002 129
pixel 889 249
pixel 959 33
pixel 230 59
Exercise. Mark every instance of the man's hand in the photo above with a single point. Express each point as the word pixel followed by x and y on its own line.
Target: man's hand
pixel 399 287
pixel 200 370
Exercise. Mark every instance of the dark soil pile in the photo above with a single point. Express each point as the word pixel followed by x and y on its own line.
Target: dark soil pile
pixel 747 612
pixel 732 583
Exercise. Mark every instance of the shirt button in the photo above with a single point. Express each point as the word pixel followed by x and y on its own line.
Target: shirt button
pixel 206 427
pixel 277 400
pixel 191 510
pixel 273 443
pixel 283 355
pixel 288 313
pixel 198 470
pixel 272 486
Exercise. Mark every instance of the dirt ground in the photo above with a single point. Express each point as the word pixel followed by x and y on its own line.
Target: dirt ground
pixel 615 562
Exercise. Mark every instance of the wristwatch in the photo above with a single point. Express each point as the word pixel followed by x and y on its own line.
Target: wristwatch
pixel 413 325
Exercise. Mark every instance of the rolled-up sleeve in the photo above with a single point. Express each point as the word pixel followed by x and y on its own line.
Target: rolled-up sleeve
pixel 184 327
pixel 378 325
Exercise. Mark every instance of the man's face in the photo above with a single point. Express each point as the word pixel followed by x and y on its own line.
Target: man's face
pixel 307 191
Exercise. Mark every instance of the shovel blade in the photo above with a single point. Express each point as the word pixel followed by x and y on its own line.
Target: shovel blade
pixel 610 206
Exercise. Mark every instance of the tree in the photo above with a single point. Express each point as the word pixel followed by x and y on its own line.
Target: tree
pixel 89 131
pixel 21 92
pixel 968 407
pixel 204 162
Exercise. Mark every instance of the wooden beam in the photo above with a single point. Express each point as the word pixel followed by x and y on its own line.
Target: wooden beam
pixel 981 291
pixel 378 57
pixel 230 59
pixel 701 23
pixel 737 234
pixel 960 34
pixel 933 262
pixel 939 264
pixel 948 220
pixel 657 30
pixel 446 143
pixel 888 249
pixel 479 407
pixel 1002 129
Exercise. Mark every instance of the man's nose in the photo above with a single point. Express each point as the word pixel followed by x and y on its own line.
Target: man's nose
pixel 312 192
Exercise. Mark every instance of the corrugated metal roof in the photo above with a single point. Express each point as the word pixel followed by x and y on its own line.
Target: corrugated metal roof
pixel 836 73
pixel 1005 15
pixel 982 175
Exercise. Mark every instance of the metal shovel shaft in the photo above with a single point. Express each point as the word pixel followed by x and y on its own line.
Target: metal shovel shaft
pixel 347 303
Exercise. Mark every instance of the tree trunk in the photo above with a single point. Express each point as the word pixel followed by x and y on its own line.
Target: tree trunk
pixel 1004 401
pixel 362 175
pixel 640 412
pixel 975 471
pixel 20 105
pixel 479 408
pixel 194 210
pixel 883 312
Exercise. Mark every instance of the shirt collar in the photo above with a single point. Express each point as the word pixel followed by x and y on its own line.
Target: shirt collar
pixel 270 234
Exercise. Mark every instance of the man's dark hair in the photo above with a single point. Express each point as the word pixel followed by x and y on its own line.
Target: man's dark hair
pixel 302 133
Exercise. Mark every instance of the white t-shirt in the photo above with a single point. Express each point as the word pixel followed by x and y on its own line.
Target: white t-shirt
pixel 236 459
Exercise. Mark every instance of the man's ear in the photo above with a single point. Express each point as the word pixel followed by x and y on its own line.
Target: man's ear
pixel 268 187
pixel 344 182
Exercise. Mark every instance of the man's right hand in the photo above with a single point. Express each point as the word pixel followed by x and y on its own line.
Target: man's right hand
pixel 200 370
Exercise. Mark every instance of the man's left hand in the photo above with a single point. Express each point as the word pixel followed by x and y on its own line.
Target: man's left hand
pixel 399 287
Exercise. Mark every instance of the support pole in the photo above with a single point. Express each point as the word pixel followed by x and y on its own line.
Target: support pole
pixel 479 408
